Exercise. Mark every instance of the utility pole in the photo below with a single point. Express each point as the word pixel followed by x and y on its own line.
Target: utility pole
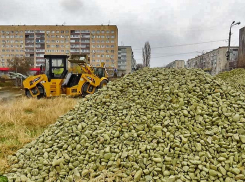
pixel 229 42
pixel 15 62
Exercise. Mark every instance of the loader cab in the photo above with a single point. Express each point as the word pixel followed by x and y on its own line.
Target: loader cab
pixel 99 72
pixel 56 66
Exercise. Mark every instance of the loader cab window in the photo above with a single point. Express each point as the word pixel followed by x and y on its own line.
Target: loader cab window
pixel 55 67
pixel 100 72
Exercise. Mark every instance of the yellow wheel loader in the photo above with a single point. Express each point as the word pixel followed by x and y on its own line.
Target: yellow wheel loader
pixel 57 81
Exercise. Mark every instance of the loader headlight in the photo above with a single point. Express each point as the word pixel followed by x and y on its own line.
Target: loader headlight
pixel 31 82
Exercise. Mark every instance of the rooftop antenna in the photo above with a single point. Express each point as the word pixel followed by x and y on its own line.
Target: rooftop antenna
pixel 63 23
pixel 109 22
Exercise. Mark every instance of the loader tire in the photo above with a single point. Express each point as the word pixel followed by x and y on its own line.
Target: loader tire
pixel 84 89
pixel 28 93
pixel 103 83
pixel 41 90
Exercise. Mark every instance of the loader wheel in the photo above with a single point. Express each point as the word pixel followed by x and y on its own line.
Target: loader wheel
pixel 28 94
pixel 103 83
pixel 41 90
pixel 84 89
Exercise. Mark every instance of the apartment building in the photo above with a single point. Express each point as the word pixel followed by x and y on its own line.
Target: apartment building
pixel 241 54
pixel 176 64
pixel 215 61
pixel 126 61
pixel 100 42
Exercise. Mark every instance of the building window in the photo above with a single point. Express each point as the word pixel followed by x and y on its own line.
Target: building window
pixel 98 36
pixel 57 41
pixel 62 31
pixel 107 31
pixel 112 46
pixel 93 46
pixel 112 51
pixel 112 31
pixel 112 36
pixel 112 41
pixel 98 31
pixel 102 36
pixel 53 31
pixel 67 31
pixel 48 46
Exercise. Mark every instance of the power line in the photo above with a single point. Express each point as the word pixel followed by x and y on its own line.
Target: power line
pixel 180 45
pixel 160 29
pixel 180 54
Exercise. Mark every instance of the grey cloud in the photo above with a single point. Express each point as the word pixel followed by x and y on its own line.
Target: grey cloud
pixel 73 5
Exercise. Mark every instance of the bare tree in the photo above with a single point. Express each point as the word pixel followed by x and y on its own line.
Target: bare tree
pixel 139 66
pixel 20 65
pixel 146 53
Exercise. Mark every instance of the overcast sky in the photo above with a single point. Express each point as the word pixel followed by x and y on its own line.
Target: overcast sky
pixel 161 22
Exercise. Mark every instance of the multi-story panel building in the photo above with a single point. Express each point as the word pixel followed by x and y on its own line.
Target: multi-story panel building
pixel 241 54
pixel 34 41
pixel 176 64
pixel 126 61
pixel 215 61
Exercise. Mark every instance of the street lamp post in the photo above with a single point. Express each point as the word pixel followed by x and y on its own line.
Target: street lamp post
pixel 229 43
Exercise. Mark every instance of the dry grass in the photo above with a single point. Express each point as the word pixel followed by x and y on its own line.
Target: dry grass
pixel 22 120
